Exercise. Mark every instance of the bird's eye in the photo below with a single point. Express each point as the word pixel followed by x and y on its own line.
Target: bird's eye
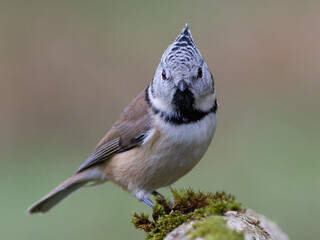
pixel 199 72
pixel 164 75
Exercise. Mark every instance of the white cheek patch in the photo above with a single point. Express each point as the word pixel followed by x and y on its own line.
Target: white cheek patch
pixel 163 105
pixel 205 103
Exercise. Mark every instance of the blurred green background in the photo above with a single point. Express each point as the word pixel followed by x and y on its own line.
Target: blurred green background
pixel 68 69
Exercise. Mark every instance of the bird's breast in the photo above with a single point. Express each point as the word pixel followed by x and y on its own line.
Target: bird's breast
pixel 167 153
pixel 182 144
pixel 173 150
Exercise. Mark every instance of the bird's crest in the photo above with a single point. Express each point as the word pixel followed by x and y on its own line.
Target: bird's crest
pixel 183 49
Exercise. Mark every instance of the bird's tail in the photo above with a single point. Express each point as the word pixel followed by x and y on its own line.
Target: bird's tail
pixel 60 192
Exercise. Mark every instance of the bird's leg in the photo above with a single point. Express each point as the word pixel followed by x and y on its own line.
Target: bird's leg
pixel 147 201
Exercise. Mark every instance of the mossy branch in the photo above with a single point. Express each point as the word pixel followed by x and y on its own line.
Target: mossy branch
pixel 200 215
pixel 188 205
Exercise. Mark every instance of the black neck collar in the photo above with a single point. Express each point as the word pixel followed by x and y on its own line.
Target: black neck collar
pixel 184 117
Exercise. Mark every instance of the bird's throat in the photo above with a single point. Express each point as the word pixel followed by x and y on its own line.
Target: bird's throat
pixel 183 102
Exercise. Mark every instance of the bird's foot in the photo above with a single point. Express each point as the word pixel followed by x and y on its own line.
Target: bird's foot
pixel 148 201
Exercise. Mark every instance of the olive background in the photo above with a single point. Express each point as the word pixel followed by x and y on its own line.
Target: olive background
pixel 69 68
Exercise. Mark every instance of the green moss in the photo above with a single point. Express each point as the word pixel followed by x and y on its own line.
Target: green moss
pixel 214 228
pixel 188 205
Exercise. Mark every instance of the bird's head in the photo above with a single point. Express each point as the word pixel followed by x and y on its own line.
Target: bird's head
pixel 182 82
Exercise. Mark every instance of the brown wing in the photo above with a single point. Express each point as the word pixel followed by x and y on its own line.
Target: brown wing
pixel 128 132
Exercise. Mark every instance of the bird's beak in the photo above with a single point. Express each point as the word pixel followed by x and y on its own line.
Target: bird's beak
pixel 182 86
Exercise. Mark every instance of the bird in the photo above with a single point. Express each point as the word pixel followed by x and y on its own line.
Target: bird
pixel 160 136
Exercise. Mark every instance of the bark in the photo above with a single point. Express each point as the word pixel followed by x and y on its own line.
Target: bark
pixel 253 226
